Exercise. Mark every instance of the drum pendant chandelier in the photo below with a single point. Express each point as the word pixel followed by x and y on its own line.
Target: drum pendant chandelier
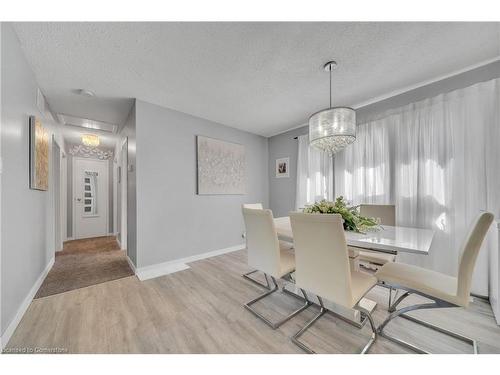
pixel 332 129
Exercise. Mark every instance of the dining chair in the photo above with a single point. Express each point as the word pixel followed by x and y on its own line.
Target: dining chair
pixel 255 206
pixel 444 290
pixel 386 213
pixel 371 260
pixel 259 206
pixel 322 268
pixel 266 255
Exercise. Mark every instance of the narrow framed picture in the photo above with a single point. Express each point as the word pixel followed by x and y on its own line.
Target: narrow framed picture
pixel 282 167
pixel 38 154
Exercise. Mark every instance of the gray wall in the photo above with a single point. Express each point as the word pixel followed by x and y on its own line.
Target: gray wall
pixel 27 224
pixel 172 220
pixel 119 180
pixel 69 196
pixel 129 131
pixel 111 202
pixel 282 190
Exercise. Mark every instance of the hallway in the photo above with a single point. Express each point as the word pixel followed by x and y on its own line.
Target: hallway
pixel 83 263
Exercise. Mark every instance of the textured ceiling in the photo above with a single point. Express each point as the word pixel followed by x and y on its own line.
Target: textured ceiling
pixel 260 77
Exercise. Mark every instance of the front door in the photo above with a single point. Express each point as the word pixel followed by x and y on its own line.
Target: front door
pixel 90 197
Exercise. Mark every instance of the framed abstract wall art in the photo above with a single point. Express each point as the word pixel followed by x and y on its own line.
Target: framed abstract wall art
pixel 221 167
pixel 39 155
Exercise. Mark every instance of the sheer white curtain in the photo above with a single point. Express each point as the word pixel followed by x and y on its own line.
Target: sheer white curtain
pixel 363 170
pixel 314 174
pixel 438 161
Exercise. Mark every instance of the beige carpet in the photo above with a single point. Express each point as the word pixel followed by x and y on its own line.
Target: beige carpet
pixel 83 263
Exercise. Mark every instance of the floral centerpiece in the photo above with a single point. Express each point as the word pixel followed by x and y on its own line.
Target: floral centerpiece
pixel 353 221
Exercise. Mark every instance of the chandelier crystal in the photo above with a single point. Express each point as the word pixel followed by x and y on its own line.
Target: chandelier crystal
pixel 332 129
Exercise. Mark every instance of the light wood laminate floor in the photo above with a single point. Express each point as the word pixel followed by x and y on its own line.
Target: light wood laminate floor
pixel 200 310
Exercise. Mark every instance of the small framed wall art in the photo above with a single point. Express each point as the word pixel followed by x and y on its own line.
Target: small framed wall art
pixel 282 167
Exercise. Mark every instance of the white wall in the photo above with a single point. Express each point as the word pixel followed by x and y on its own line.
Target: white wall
pixel 494 274
pixel 174 222
pixel 125 151
pixel 27 216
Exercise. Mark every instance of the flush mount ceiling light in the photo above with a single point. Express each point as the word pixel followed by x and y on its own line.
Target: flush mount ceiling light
pixel 90 140
pixel 85 92
pixel 334 128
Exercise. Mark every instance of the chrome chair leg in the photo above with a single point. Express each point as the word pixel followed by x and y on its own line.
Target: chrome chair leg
pixel 247 276
pixel 323 311
pixel 373 327
pixel 397 301
pixel 458 336
pixel 295 338
pixel 275 325
pixel 395 297
pixel 359 325
pixel 391 289
pixel 402 312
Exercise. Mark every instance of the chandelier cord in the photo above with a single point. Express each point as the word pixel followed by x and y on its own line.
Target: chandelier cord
pixel 330 86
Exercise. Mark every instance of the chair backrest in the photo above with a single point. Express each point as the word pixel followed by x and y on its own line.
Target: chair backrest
pixel 469 252
pixel 385 212
pixel 321 258
pixel 262 241
pixel 255 206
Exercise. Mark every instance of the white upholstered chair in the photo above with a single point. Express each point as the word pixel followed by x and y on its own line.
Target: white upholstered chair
pixel 322 267
pixel 266 255
pixel 386 213
pixel 443 290
pixel 255 206
pixel 283 245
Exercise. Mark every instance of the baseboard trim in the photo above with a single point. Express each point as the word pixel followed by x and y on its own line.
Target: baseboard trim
pixel 166 268
pixel 162 269
pixel 131 264
pixel 24 306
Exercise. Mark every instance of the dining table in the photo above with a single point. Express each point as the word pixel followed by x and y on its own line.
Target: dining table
pixel 385 239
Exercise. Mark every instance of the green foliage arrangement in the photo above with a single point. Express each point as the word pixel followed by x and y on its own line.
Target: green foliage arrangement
pixel 353 221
